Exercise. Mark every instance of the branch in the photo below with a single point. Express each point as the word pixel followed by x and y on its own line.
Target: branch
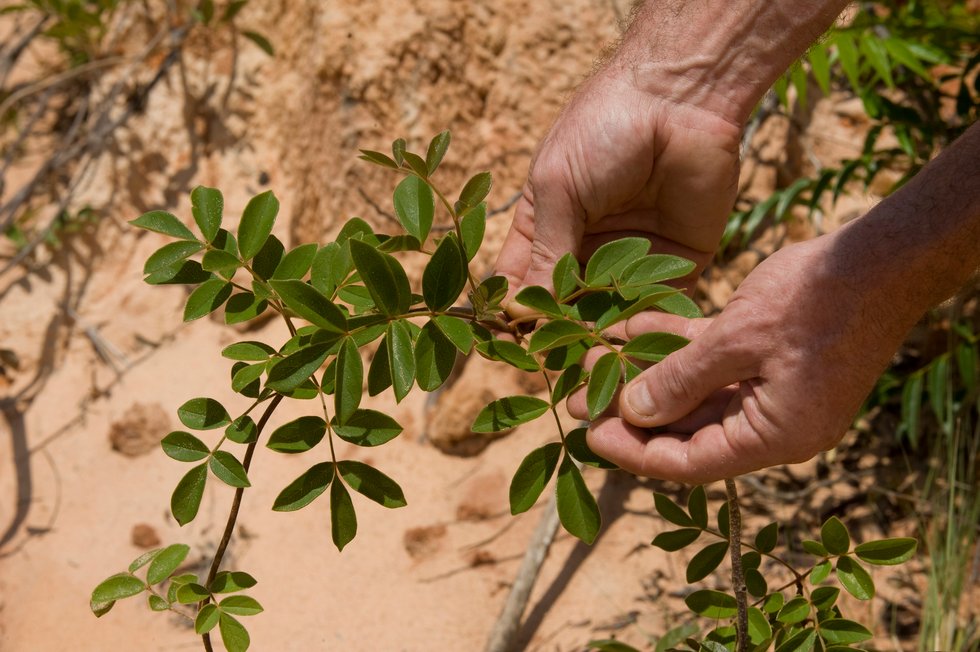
pixel 738 574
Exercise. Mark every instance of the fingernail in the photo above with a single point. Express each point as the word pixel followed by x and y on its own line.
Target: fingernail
pixel 639 400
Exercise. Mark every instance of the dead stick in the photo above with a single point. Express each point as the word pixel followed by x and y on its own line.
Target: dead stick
pixel 505 629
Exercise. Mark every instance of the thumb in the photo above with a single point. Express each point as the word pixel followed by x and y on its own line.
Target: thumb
pixel 675 387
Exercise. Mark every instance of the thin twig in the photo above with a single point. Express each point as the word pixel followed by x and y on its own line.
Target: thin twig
pixel 738 573
pixel 233 514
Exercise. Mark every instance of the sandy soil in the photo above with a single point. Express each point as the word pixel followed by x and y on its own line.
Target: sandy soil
pixel 103 360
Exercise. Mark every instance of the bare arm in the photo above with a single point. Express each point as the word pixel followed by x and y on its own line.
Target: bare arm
pixel 649 144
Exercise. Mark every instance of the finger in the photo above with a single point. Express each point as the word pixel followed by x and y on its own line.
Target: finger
pixel 707 455
pixel 684 379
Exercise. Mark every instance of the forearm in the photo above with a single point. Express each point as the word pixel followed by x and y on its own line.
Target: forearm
pixel 720 55
pixel 920 245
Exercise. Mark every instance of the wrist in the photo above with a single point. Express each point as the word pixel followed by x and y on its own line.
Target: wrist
pixel 719 57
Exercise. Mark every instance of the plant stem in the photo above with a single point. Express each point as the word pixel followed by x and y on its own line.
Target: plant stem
pixel 233 514
pixel 738 573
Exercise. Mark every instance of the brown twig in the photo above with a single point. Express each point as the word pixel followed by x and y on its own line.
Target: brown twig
pixel 233 514
pixel 738 573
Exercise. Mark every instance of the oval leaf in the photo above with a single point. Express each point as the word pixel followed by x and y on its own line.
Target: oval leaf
pixel 163 222
pixel 307 302
pixel 603 383
pixel 611 260
pixel 166 562
pixel 577 509
pixel 476 189
pixel 367 428
pixel 414 206
pixel 711 604
pixel 343 519
pixel 349 380
pixel 444 276
pixel 705 561
pixel 186 499
pixel 887 552
pixel 117 587
pixel 203 414
pixel 233 633
pixel 256 225
pixel 676 539
pixel 207 619
pixel 305 489
pixel 299 435
pixel 435 357
pixel 855 579
pixel 834 536
pixel 372 483
pixel 184 447
pixel 228 469
pixel 532 476
pixel 206 207
pixel 509 412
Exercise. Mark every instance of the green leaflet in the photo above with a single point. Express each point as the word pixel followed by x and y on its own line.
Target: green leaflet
pixel 577 509
pixel 372 483
pixel 532 476
pixel 256 224
pixel 509 412
pixel 414 206
pixel 206 207
pixel 305 489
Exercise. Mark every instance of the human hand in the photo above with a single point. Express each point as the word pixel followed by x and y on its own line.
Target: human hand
pixel 623 162
pixel 777 377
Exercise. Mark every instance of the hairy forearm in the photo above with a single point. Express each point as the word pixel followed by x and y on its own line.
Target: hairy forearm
pixel 920 245
pixel 719 55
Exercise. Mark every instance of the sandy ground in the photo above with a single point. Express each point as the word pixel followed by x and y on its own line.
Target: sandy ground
pixel 104 358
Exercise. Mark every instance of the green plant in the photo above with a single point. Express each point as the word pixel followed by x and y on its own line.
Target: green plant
pixel 914 67
pixel 801 613
pixel 354 293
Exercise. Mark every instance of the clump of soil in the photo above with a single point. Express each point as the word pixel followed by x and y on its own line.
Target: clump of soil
pixel 139 430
